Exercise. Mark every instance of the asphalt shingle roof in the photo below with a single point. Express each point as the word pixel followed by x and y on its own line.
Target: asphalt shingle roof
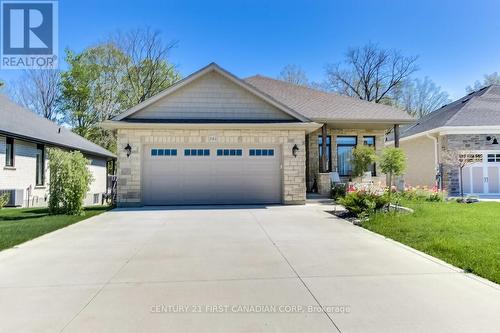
pixel 479 108
pixel 18 121
pixel 319 105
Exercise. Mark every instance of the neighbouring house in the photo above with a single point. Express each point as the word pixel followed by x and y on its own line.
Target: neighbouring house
pixel 472 124
pixel 24 139
pixel 213 138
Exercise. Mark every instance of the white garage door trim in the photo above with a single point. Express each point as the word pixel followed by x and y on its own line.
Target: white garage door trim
pixel 194 174
pixel 483 178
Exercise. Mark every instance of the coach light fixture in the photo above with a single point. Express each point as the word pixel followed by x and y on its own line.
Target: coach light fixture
pixel 128 149
pixel 295 149
pixel 493 139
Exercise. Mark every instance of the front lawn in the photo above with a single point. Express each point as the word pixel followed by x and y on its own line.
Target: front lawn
pixel 20 225
pixel 464 235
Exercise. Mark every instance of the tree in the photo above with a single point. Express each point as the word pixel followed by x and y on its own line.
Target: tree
pixel 460 159
pixel 419 97
pixel 91 91
pixel 294 74
pixel 362 158
pixel 392 162
pixel 146 68
pixel 488 80
pixel 39 90
pixel 106 79
pixel 370 73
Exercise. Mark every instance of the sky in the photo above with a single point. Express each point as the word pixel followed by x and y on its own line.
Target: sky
pixel 457 42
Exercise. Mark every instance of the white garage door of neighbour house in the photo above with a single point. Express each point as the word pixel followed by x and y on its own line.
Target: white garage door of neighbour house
pixel 483 177
pixel 211 175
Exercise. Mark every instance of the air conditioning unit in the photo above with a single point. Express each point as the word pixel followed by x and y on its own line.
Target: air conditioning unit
pixel 16 197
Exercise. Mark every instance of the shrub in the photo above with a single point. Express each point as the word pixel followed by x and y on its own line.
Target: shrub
pixel 4 199
pixel 338 191
pixel 362 203
pixel 422 194
pixel 69 181
pixel 362 158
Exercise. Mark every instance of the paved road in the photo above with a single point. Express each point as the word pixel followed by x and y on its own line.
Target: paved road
pixel 234 269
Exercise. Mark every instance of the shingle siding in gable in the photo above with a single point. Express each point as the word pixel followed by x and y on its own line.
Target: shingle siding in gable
pixel 211 97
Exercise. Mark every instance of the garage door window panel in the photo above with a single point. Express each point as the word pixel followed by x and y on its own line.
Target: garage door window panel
pixel 261 152
pixel 196 152
pixel 155 152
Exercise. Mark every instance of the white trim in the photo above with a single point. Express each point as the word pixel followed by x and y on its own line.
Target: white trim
pixel 213 67
pixel 308 126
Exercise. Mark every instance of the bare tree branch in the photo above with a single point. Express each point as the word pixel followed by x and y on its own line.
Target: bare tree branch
pixel 370 73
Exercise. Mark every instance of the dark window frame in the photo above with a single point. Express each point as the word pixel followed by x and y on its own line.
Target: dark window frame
pixel 344 145
pixel 374 166
pixel 10 156
pixel 40 169
pixel 328 151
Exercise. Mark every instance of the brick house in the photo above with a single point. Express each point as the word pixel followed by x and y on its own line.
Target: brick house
pixel 470 124
pixel 213 138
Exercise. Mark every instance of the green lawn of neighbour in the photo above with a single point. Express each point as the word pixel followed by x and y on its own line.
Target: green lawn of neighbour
pixel 464 235
pixel 20 225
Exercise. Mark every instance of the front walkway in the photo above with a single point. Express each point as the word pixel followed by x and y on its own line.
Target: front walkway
pixel 230 269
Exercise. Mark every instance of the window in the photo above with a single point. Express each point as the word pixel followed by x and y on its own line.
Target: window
pixel 345 145
pixel 96 198
pixel 9 152
pixel 229 152
pixel 328 151
pixel 40 165
pixel 370 142
pixel 493 157
pixel 163 152
pixel 261 152
pixel 196 152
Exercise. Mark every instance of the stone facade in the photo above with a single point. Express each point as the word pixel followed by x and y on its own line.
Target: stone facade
pixel 129 168
pixel 313 149
pixel 474 142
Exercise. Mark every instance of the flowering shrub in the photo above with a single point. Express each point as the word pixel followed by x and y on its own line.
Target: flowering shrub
pixel 422 194
pixel 363 199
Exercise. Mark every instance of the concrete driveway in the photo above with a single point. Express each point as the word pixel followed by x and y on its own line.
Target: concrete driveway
pixel 230 269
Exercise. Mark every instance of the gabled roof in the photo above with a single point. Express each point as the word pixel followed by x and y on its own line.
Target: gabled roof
pixel 479 108
pixel 19 122
pixel 325 106
pixel 205 70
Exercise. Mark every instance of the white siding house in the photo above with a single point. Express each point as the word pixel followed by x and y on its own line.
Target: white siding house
pixel 24 139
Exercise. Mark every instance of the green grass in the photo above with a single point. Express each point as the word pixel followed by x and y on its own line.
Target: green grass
pixel 464 235
pixel 20 225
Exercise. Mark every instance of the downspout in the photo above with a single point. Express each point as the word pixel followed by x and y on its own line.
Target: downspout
pixel 436 162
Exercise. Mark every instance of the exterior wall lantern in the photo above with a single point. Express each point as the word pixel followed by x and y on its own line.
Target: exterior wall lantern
pixel 295 149
pixel 493 140
pixel 128 149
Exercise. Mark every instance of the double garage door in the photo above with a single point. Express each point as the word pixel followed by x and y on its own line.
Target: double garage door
pixel 211 175
pixel 483 177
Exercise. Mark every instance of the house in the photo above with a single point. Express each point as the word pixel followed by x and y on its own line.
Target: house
pixel 213 138
pixel 24 139
pixel 472 124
